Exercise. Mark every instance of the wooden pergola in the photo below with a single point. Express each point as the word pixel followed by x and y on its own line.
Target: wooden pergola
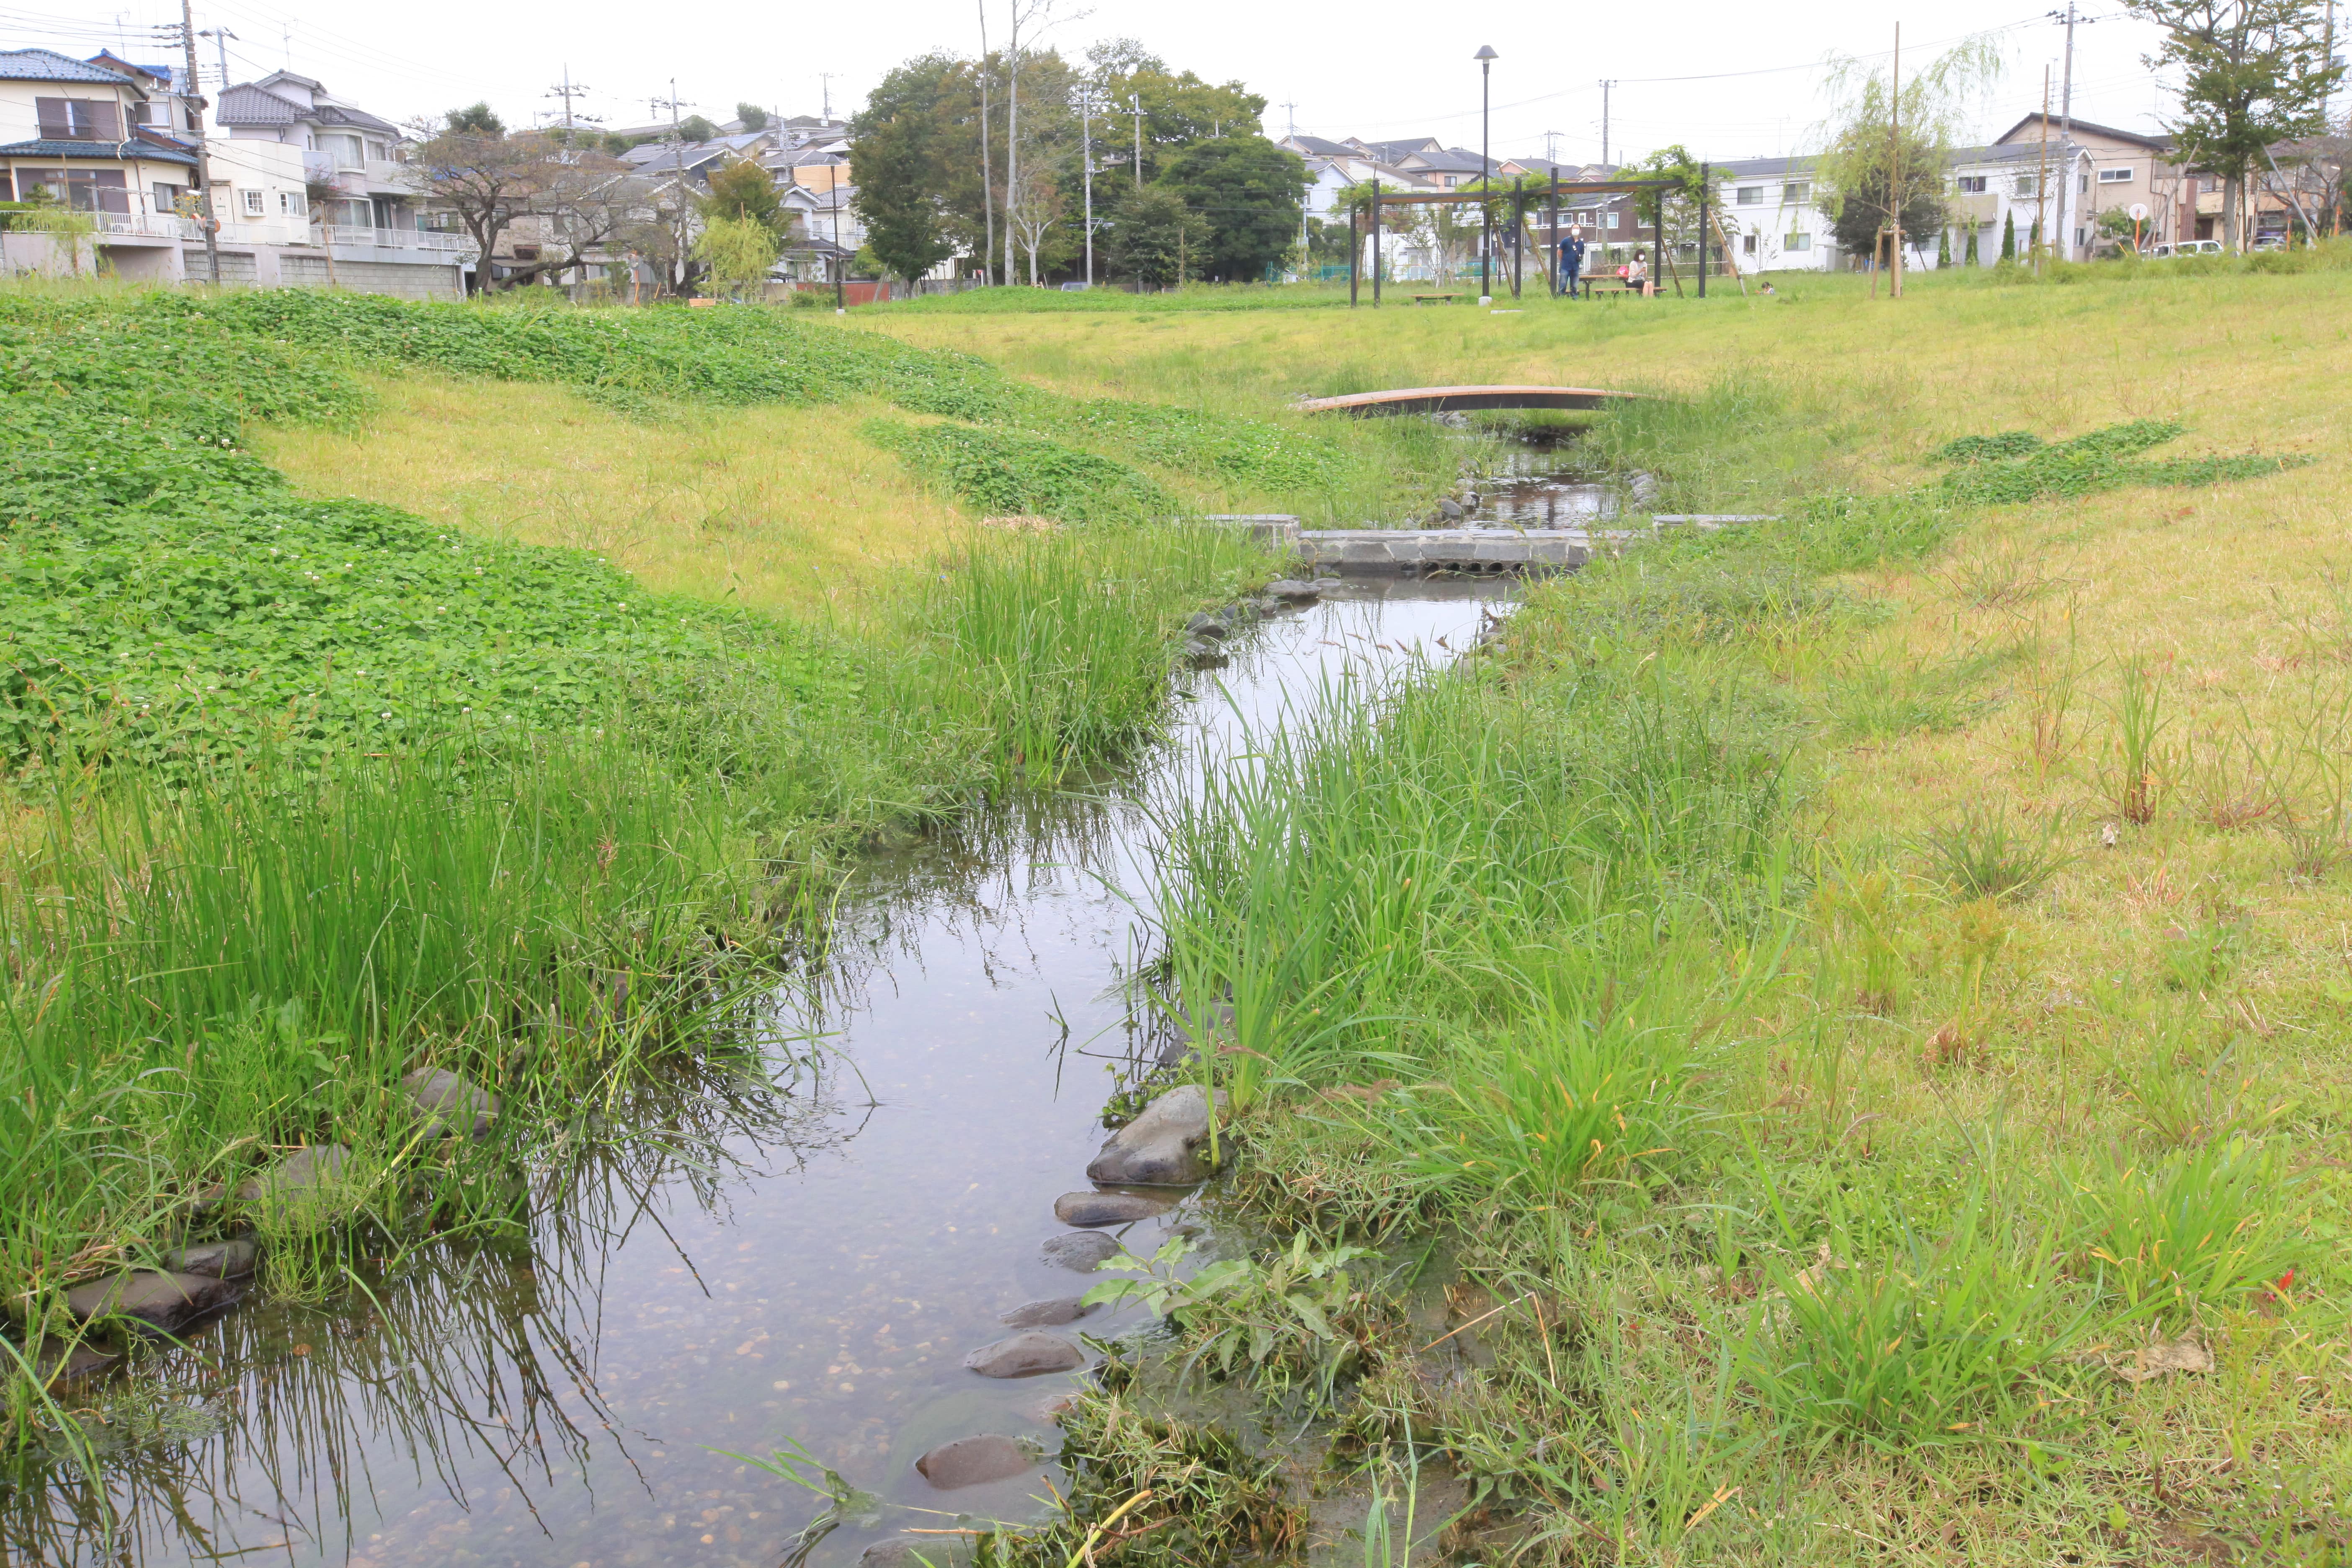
pixel 1520 195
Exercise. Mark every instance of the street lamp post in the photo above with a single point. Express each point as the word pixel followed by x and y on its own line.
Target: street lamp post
pixel 1486 57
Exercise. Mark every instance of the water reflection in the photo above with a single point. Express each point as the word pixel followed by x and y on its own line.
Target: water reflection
pixel 808 1256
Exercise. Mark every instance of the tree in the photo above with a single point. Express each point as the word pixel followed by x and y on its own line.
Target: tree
pixel 475 120
pixel 751 117
pixel 2008 236
pixel 1179 107
pixel 1872 140
pixel 913 156
pixel 2253 72
pixel 738 251
pixel 694 128
pixel 1248 193
pixel 1036 212
pixel 742 192
pixel 1972 258
pixel 1153 236
pixel 491 180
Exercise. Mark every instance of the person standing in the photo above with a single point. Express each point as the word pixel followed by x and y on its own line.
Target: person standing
pixel 1571 260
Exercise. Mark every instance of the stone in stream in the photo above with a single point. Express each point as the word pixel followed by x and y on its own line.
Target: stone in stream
pixel 1081 1252
pixel 212 1259
pixel 304 1173
pixel 1207 625
pixel 62 1360
pixel 160 1302
pixel 1046 1314
pixel 1292 589
pixel 946 1549
pixel 1106 1209
pixel 1025 1356
pixel 975 1461
pixel 443 1104
pixel 1167 1146
pixel 1451 511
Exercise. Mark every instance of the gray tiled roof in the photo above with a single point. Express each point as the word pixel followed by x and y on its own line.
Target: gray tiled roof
pixel 121 151
pixel 249 103
pixel 47 65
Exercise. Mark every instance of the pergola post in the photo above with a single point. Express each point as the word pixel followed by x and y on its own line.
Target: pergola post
pixel 1705 184
pixel 1552 250
pixel 1355 247
pixel 1376 242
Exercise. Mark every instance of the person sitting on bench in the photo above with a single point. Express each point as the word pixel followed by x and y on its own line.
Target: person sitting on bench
pixel 1637 275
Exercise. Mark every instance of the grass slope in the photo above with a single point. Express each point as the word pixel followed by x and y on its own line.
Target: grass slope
pixel 1854 995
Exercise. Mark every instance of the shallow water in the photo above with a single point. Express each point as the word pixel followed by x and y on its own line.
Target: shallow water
pixel 1539 487
pixel 753 1266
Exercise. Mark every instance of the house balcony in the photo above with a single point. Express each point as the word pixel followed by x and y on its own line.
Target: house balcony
pixel 420 244
pixel 144 225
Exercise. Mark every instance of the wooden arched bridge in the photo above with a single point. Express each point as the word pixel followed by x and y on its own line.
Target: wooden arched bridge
pixel 1453 399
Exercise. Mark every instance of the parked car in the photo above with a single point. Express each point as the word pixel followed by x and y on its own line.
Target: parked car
pixel 2269 242
pixel 2171 249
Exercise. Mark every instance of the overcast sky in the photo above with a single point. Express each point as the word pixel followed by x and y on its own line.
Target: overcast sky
pixel 1726 80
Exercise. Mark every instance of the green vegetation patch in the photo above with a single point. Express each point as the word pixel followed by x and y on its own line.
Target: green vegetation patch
pixel 169 600
pixel 2018 466
pixel 1004 472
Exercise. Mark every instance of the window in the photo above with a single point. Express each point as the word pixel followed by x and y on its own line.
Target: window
pixel 83 190
pixel 1750 196
pixel 77 120
pixel 344 150
pixel 2114 176
pixel 1972 185
pixel 251 201
pixel 352 212
pixel 1797 242
pixel 1748 244
pixel 2026 185
pixel 1796 193
pixel 165 197
pixel 293 203
pixel 2083 181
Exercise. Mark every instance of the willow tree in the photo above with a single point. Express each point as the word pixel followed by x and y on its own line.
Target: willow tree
pixel 1884 150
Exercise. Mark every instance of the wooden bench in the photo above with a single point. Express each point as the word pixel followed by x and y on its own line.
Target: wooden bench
pixel 1594 288
pixel 1437 299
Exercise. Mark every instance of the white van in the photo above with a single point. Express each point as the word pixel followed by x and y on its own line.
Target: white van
pixel 2184 247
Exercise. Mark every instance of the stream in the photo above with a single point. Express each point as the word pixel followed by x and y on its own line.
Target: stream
pixel 807 1260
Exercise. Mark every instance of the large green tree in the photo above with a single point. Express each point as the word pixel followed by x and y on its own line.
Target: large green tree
pixel 914 156
pixel 2255 72
pixel 1248 192
pixel 1179 108
pixel 1153 237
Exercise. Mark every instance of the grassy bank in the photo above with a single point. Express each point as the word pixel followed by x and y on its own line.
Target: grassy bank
pixel 311 791
pixel 1861 999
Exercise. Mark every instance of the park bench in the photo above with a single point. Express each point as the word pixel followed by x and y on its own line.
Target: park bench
pixel 1437 299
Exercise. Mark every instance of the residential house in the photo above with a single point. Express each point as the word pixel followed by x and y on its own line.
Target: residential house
pixel 100 139
pixel 2017 188
pixel 307 170
pixel 1771 216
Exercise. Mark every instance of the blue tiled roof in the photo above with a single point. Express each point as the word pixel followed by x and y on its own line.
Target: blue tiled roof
pixel 121 152
pixel 47 65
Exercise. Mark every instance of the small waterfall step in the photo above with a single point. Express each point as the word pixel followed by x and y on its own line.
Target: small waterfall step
pixel 1411 552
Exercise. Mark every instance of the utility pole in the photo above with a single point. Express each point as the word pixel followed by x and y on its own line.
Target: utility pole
pixel 824 88
pixel 1894 194
pixel 1135 105
pixel 206 218
pixel 2041 181
pixel 1086 169
pixel 220 37
pixel 1551 151
pixel 1290 111
pixel 1607 82
pixel 567 90
pixel 677 179
pixel 2066 120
